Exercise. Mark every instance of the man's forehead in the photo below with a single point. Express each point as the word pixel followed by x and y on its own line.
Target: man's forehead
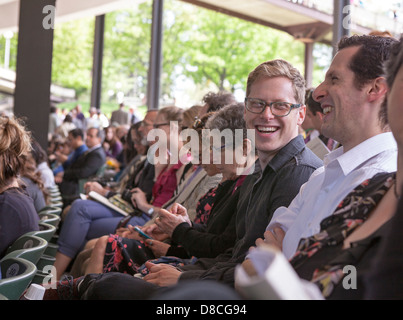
pixel 342 59
pixel 151 115
pixel 92 132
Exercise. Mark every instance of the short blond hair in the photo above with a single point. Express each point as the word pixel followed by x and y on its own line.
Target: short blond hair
pixel 279 68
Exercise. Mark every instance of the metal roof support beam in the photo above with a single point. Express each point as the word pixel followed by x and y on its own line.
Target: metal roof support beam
pixel 342 21
pixel 308 63
pixel 154 71
pixel 97 62
pixel 34 66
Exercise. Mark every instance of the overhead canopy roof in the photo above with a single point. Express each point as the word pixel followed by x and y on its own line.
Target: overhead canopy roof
pixel 305 23
pixel 65 10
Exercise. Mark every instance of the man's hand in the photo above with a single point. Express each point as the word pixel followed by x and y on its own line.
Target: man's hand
pixel 162 274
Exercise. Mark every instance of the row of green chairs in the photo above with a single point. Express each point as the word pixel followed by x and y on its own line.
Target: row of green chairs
pixel 32 253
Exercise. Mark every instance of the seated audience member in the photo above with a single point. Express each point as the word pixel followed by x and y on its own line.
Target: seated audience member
pixel 138 196
pixel 130 152
pixel 385 276
pixel 205 178
pixel 62 155
pixel 353 100
pixel 214 101
pixel 42 165
pixel 84 167
pixel 33 183
pixel 112 144
pixel 89 219
pixel 75 145
pixel 274 109
pixel 18 215
pixel 66 126
pixel 213 230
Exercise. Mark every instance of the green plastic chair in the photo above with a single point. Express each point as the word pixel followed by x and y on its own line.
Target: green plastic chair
pixel 46 231
pixel 45 262
pixel 17 274
pixel 51 209
pixel 54 188
pixel 49 218
pixel 28 247
pixel 55 198
pixel 52 249
pixel 42 278
pixel 58 203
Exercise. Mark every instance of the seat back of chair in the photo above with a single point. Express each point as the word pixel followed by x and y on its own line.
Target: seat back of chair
pixel 17 274
pixel 28 247
pixel 49 218
pixel 46 231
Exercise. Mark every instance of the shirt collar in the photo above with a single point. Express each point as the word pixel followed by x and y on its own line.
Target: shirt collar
pixel 289 151
pixel 359 154
pixel 94 147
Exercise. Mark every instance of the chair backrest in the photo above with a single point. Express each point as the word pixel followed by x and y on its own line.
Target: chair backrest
pixel 28 247
pixel 17 274
pixel 46 231
pixel 57 203
pixel 49 218
pixel 51 209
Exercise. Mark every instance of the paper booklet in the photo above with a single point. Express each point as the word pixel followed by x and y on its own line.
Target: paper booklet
pixel 116 202
pixel 318 147
pixel 275 278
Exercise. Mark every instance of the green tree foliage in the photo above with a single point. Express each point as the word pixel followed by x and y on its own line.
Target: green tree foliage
pixel 72 54
pixel 202 45
pixel 210 46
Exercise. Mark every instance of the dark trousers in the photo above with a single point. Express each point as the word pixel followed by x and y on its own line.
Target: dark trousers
pixel 120 286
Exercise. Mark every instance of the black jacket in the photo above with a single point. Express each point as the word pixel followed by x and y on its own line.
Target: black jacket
pixel 84 167
pixel 217 235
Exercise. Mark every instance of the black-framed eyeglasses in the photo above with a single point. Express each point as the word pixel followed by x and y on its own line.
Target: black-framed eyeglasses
pixel 157 125
pixel 277 108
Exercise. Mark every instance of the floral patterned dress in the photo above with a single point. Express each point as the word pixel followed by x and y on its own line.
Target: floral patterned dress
pixel 321 257
pixel 121 255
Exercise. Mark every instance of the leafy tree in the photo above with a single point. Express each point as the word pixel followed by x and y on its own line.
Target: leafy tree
pixel 211 46
pixel 72 54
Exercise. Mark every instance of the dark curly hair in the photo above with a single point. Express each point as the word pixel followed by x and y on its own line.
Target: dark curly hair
pixel 216 101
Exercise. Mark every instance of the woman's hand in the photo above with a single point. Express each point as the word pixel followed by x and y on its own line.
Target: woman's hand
pixel 157 247
pixel 154 232
pixel 178 209
pixel 167 222
pixel 94 186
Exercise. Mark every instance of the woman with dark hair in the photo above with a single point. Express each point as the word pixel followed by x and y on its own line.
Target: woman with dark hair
pixel 34 184
pixel 112 144
pixel 17 212
pixel 42 166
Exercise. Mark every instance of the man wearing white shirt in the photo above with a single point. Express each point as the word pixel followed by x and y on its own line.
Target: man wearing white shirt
pixel 353 104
